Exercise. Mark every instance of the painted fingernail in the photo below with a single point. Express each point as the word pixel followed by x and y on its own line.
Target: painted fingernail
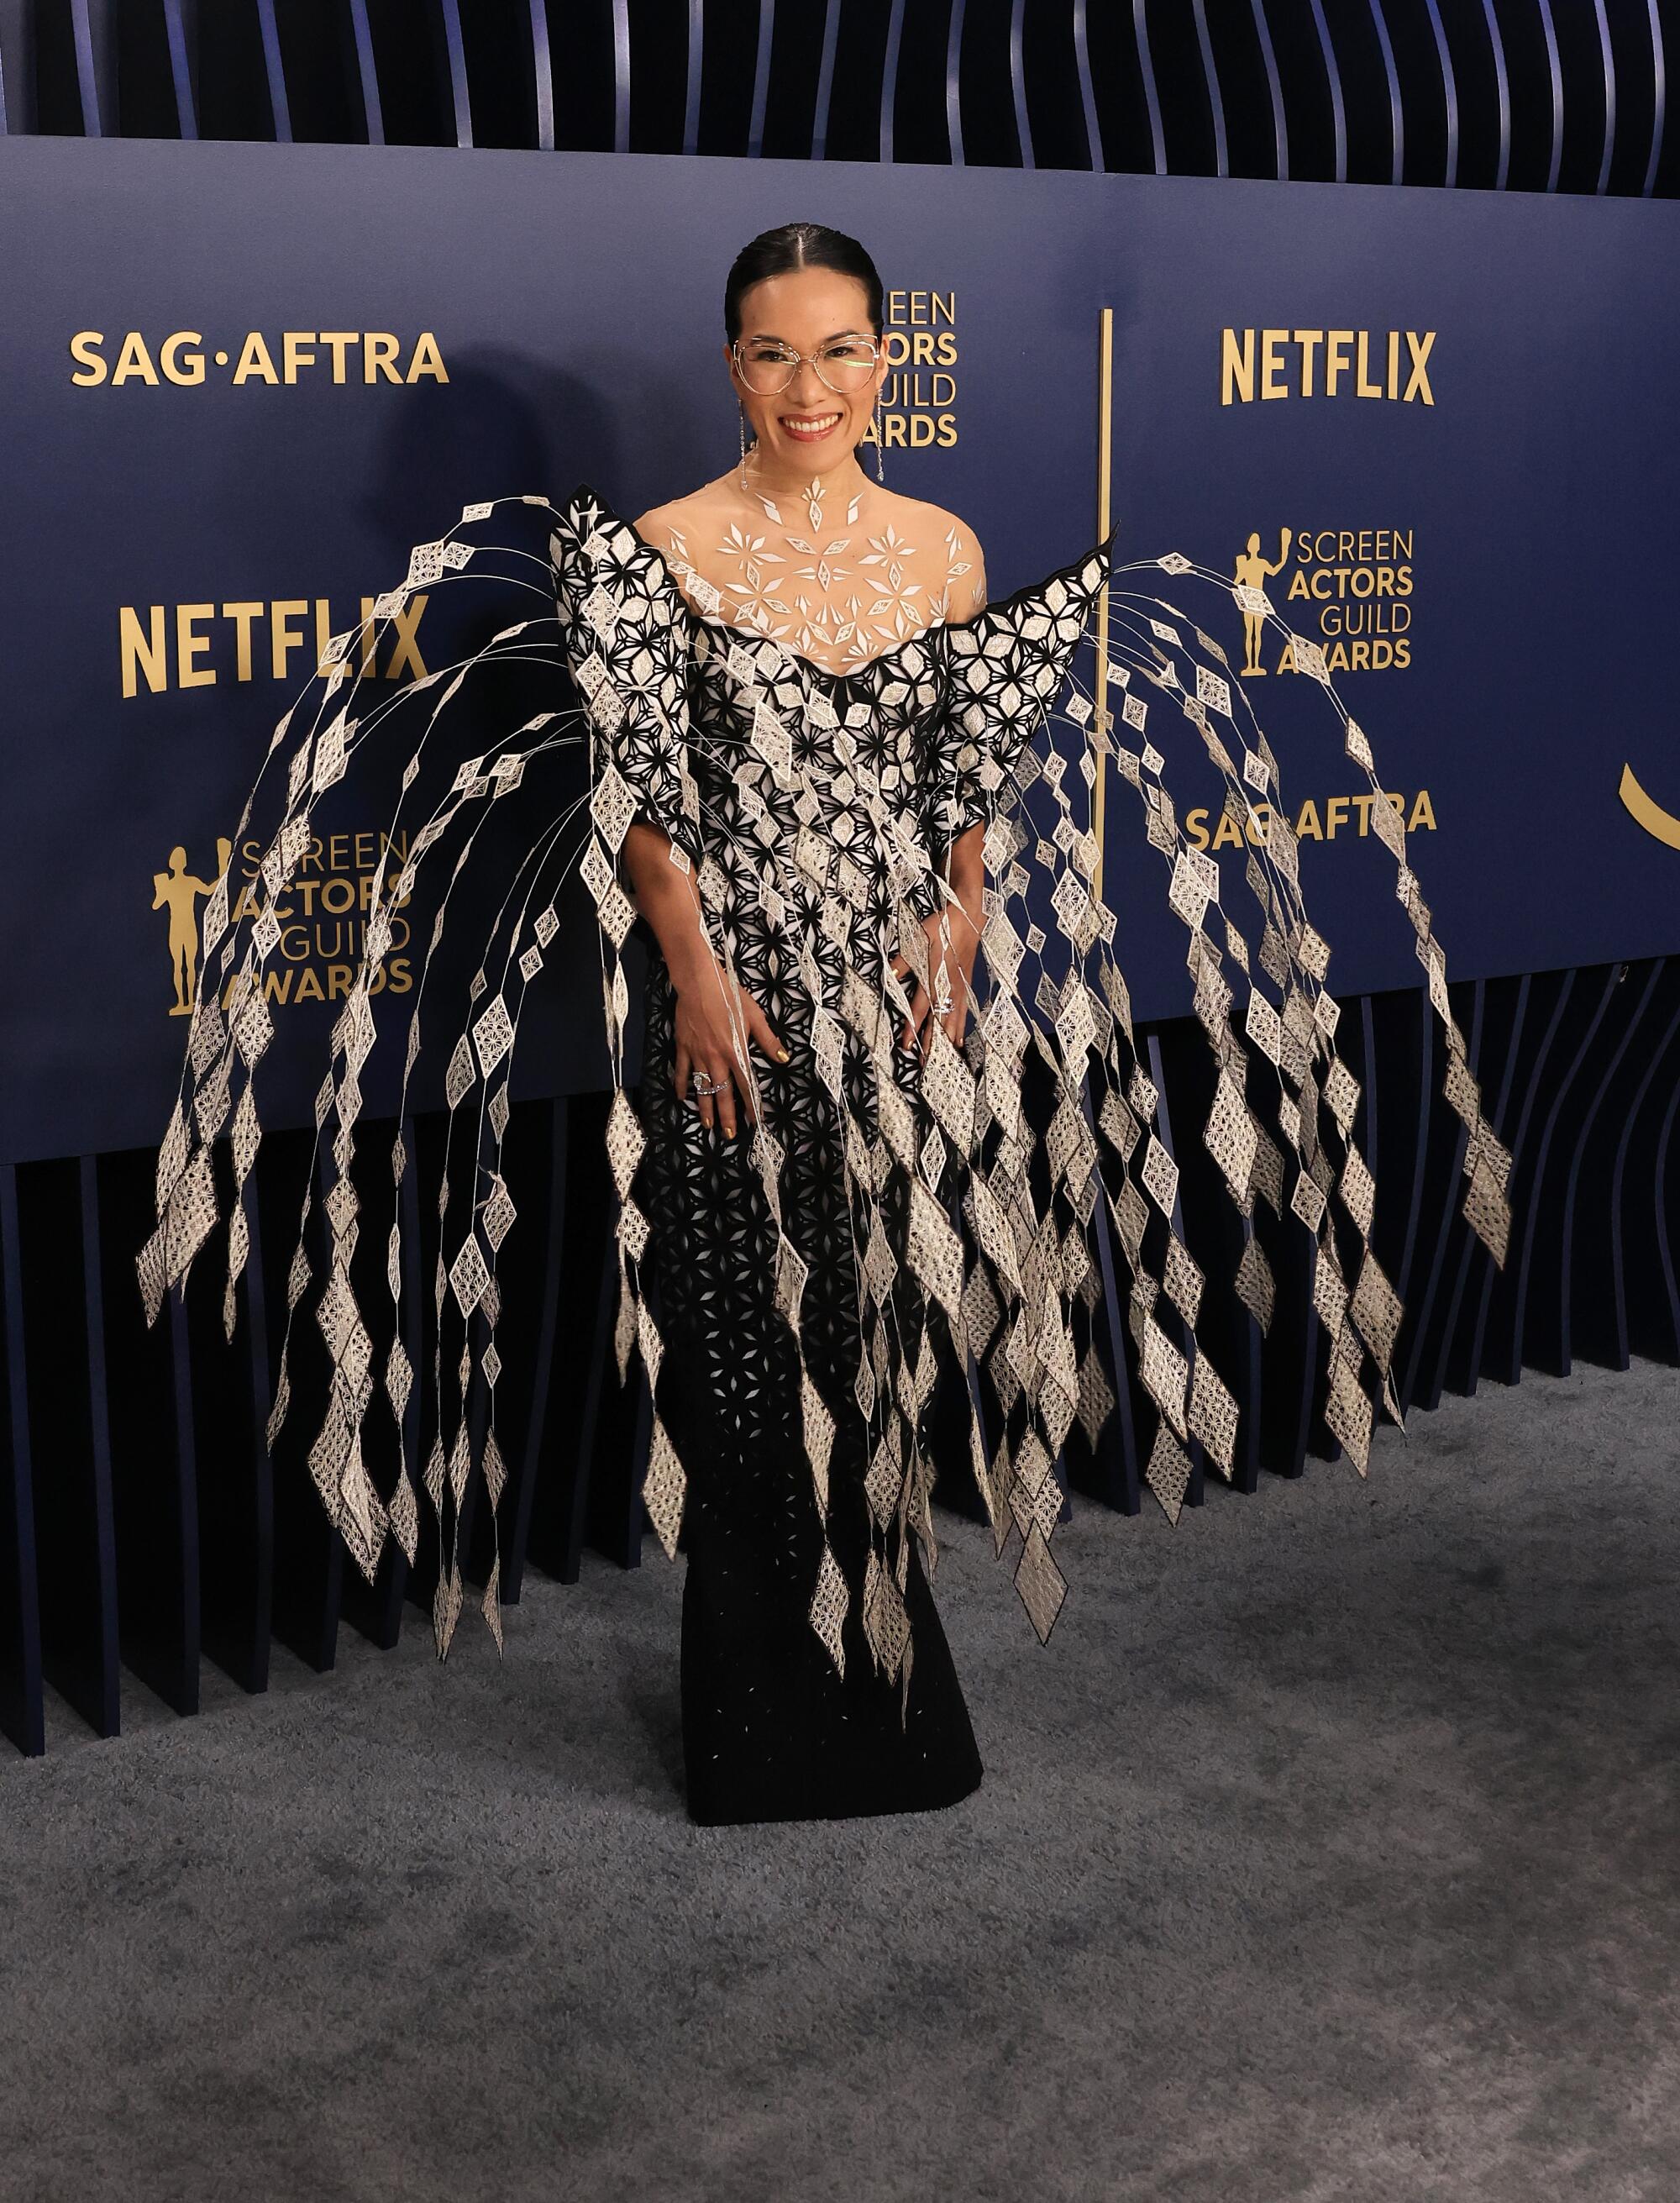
pixel 781 1055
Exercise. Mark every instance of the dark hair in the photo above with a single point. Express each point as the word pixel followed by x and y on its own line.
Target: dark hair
pixel 798 244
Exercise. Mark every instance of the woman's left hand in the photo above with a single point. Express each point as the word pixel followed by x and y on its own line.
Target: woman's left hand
pixel 960 960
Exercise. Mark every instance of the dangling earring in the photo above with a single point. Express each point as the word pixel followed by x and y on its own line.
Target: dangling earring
pixel 880 461
pixel 741 412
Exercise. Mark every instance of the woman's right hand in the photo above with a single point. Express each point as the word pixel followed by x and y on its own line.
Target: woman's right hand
pixel 706 1042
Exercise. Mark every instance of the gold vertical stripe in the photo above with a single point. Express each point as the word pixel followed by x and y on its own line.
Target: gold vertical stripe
pixel 1104 448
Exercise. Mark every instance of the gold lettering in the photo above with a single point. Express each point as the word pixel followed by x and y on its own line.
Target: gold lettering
pixel 143 651
pixel 242 615
pixel 406 652
pixel 1363 385
pixel 426 359
pixel 1236 367
pixel 1309 341
pixel 1420 349
pixel 379 357
pixel 190 370
pixel 1336 359
pixel 292 343
pixel 85 351
pixel 254 361
pixel 283 637
pixel 338 342
pixel 190 645
pixel 1272 384
pixel 133 362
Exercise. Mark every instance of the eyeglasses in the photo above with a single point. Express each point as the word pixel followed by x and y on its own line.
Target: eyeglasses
pixel 766 368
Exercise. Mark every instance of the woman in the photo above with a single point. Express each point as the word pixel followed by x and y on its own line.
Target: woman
pixel 822 775
pixel 797 544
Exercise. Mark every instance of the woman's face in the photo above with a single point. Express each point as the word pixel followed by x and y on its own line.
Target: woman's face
pixel 807 427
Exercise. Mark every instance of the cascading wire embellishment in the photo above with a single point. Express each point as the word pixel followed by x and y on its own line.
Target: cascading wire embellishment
pixel 808 809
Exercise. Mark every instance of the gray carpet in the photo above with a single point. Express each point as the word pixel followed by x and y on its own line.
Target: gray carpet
pixel 1331 1852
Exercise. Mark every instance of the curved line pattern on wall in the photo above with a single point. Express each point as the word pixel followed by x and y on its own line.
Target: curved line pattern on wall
pixel 889 78
pixel 1280 126
pixel 1018 86
pixel 455 54
pixel 542 77
pixel 1554 70
pixel 690 89
pixel 953 83
pixel 1333 80
pixel 1090 87
pixel 1502 82
pixel 1095 156
pixel 1608 56
pixel 621 76
pixel 1659 99
pixel 1396 114
pixel 1157 143
pixel 1449 94
pixel 1216 105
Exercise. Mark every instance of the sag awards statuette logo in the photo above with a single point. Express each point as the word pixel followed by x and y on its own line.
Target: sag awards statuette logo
pixel 1355 587
pixel 1359 582
pixel 322 922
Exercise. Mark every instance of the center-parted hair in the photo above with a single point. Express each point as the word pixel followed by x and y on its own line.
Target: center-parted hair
pixel 798 244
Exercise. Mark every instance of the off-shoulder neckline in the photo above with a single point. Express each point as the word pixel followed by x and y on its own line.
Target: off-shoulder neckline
pixel 585 495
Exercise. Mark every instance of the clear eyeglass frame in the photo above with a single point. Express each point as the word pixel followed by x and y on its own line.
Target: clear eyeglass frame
pixel 864 361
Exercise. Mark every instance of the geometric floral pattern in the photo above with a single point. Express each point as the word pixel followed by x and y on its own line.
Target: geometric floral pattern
pixel 793 1294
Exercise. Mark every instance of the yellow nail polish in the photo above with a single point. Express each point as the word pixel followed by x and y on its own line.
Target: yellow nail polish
pixel 781 1055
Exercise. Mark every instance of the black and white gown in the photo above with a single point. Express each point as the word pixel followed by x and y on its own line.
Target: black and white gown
pixel 793 1296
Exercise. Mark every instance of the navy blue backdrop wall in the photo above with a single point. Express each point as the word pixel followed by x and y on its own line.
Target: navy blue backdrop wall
pixel 188 529
pixel 242 381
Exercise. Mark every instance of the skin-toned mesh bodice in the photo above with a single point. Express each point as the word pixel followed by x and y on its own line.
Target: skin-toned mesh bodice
pixel 838 575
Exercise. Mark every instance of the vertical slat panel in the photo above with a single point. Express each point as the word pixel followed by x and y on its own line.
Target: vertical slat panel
pixel 1502 81
pixel 1017 86
pixel 1151 95
pixel 1095 156
pixel 64 1364
pixel 697 51
pixel 180 30
pixel 227 1409
pixel 154 1482
pixel 1554 72
pixel 1449 94
pixel 1280 123
pixel 367 70
pixel 1660 97
pixel 1598 1226
pixel 1396 114
pixel 1608 56
pixel 1216 105
pixel 1648 1315
pixel 953 82
pixel 1333 80
pixel 99 1409
pixel 1536 1342
pixel 621 76
pixel 455 65
pixel 764 47
pixel 22 1702
pixel 273 67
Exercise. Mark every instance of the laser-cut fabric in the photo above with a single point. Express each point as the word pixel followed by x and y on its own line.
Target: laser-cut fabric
pixel 889 1211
